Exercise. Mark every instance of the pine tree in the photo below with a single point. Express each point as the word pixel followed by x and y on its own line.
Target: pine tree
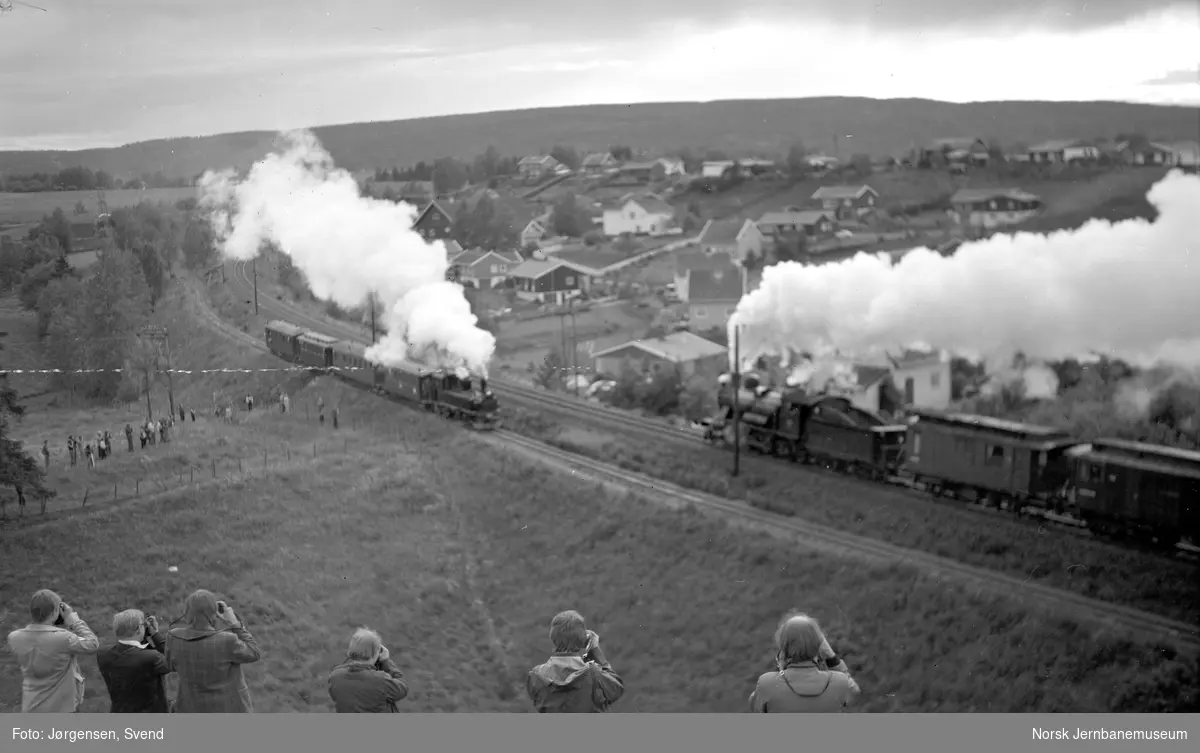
pixel 18 469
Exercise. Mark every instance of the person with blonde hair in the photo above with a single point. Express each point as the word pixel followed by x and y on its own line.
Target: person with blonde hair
pixel 577 679
pixel 207 653
pixel 48 651
pixel 134 667
pixel 810 677
pixel 368 681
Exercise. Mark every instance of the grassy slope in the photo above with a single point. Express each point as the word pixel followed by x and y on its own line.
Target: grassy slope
pixel 31 207
pixel 1097 569
pixel 395 539
pixel 878 126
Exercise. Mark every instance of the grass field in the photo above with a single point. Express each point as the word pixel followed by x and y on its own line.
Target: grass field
pixel 1090 567
pixel 405 534
pixel 31 207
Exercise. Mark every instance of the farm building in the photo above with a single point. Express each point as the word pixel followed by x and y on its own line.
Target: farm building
pixel 715 169
pixel 815 223
pixel 846 202
pixel 599 162
pixel 643 215
pixel 738 239
pixel 992 207
pixel 538 168
pixel 1063 152
pixel 434 222
pixel 547 281
pixel 691 354
pixel 1156 153
pixel 484 269
pixel 963 150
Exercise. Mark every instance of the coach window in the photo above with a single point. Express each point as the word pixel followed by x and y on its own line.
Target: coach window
pixel 995 454
pixel 916 447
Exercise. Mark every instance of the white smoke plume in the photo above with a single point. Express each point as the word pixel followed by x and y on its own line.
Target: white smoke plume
pixel 349 247
pixel 1128 290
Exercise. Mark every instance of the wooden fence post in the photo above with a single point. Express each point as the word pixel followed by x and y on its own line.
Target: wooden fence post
pixel 114 490
pixel 137 487
pixel 289 453
pixel 85 496
pixel 314 448
pixel 264 460
pixel 191 474
pixel 214 466
pixel 239 465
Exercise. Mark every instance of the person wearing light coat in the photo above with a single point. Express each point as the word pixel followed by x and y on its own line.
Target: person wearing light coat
pixel 48 655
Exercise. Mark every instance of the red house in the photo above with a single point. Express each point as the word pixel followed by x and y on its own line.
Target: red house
pixel 434 222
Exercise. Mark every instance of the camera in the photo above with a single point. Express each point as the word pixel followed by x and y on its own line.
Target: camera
pixel 61 619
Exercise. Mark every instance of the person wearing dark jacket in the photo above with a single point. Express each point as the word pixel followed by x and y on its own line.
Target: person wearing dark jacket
pixel 134 667
pixel 577 679
pixel 368 681
pixel 208 653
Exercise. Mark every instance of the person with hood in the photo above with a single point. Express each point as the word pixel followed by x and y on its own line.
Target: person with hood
pixel 811 678
pixel 207 653
pixel 578 678
pixel 368 681
pixel 48 651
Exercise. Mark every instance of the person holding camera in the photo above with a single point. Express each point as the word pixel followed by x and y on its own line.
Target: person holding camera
pixel 578 678
pixel 48 651
pixel 134 667
pixel 368 681
pixel 208 652
pixel 810 678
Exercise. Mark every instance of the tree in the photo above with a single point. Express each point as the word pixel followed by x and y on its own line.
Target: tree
pixel 18 469
pixel 448 175
pixel 488 163
pixel 80 208
pixel 796 166
pixel 198 247
pixel 153 269
pixel 62 291
pixel 116 304
pixel 550 372
pixel 57 226
pixel 64 345
pixel 566 155
pixel 698 399
pixel 568 219
pixel 861 164
pixel 621 153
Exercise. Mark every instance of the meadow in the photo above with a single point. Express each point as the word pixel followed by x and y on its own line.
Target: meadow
pixel 909 519
pixel 459 554
pixel 18 208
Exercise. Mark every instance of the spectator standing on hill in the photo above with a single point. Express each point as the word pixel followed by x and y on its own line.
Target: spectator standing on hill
pixel 46 453
pixel 71 449
pixel 142 437
pixel 192 412
pixel 208 652
pixel 134 667
pixel 91 458
pixel 182 417
pixel 368 681
pixel 810 678
pixel 48 651
pixel 100 445
pixel 129 437
pixel 577 679
pixel 335 418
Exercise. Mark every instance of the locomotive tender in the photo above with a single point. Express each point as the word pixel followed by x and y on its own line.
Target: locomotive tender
pixel 456 394
pixel 1114 487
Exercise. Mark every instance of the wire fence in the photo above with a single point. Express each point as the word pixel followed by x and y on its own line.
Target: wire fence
pixel 93 481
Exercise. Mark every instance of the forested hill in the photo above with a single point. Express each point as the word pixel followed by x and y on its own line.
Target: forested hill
pixel 739 128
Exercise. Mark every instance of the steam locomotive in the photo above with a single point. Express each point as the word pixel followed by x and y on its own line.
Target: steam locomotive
pixel 456 394
pixel 1113 487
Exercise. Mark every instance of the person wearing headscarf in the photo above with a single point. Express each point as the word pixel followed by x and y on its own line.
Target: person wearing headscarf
pixel 207 652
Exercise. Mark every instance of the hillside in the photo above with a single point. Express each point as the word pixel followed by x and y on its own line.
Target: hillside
pixel 740 127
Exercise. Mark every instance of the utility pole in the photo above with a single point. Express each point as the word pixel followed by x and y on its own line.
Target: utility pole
pixel 149 410
pixel 255 262
pixel 737 389
pixel 373 304
pixel 574 352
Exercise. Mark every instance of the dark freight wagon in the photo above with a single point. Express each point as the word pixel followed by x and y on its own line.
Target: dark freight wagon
pixel 987 459
pixel 282 340
pixel 1154 491
pixel 316 350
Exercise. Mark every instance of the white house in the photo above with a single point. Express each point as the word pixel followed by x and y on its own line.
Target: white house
pixel 537 229
pixel 644 215
pixel 922 380
pixel 739 239
pixel 715 169
pixel 1064 152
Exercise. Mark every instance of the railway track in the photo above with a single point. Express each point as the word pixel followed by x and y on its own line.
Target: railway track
pixel 823 537
pixel 816 535
pixel 660 431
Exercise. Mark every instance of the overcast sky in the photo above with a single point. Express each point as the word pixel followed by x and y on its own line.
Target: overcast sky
pixel 88 73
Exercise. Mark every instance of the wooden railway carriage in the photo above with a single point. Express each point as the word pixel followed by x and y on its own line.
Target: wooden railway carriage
pixel 1131 487
pixel 282 340
pixel 350 360
pixel 316 350
pixel 987 459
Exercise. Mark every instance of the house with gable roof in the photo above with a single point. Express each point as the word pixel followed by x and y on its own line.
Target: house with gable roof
pixel 993 207
pixel 640 215
pixel 688 353
pixel 1063 151
pixel 846 202
pixel 712 295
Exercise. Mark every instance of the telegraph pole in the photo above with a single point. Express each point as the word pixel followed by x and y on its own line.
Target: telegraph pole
pixel 574 352
pixel 373 304
pixel 737 388
pixel 159 335
pixel 255 285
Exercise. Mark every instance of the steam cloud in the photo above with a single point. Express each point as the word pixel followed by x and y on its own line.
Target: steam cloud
pixel 1129 290
pixel 349 247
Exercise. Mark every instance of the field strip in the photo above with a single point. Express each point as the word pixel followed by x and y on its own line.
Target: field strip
pixel 842 543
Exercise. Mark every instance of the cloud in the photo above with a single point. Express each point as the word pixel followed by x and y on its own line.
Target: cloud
pixel 1172 78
